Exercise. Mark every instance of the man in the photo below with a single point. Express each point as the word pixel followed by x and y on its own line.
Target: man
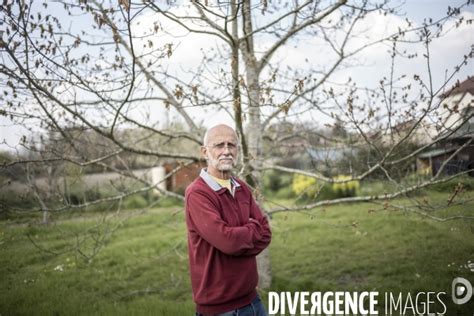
pixel 226 230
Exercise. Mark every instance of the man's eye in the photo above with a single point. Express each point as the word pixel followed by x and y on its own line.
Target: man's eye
pixel 231 146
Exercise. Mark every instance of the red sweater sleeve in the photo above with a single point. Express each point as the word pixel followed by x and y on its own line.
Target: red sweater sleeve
pixel 209 225
pixel 264 228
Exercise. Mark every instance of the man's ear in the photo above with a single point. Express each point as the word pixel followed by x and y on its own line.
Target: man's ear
pixel 204 151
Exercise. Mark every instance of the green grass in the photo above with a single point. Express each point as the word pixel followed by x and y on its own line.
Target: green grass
pixel 351 248
pixel 143 268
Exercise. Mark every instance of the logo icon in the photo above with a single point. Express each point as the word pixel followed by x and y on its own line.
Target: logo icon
pixel 461 290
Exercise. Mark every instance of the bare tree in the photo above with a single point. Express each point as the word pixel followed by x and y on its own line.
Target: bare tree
pixel 117 73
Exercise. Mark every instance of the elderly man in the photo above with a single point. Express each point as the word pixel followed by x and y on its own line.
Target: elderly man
pixel 226 230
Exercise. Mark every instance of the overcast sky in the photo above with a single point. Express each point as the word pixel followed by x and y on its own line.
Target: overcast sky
pixel 446 54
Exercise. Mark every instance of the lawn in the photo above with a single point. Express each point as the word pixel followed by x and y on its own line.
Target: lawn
pixel 142 267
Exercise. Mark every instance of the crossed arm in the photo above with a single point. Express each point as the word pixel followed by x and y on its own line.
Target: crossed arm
pixel 246 240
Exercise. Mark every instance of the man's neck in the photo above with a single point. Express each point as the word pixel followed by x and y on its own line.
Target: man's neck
pixel 224 175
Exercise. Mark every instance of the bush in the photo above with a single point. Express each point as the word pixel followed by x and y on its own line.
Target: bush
pixel 345 189
pixel 79 193
pixel 274 181
pixel 10 198
pixel 135 201
pixel 168 201
pixel 277 184
pixel 304 185
pixel 284 193
pixel 309 188
pixel 449 186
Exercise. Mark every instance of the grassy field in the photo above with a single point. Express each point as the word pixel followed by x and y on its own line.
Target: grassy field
pixel 142 267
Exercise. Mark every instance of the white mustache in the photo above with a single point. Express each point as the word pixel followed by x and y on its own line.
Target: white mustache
pixel 226 158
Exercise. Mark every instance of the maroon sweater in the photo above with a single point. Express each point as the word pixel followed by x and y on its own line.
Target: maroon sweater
pixel 225 233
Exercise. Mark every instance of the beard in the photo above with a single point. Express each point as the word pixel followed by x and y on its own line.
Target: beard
pixel 223 163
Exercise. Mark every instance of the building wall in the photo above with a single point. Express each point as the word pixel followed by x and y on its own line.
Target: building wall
pixel 181 179
pixel 462 161
pixel 157 175
pixel 452 109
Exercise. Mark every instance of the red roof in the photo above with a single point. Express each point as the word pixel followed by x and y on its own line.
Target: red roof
pixel 460 88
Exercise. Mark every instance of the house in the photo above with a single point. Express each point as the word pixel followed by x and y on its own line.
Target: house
pixel 455 102
pixel 455 150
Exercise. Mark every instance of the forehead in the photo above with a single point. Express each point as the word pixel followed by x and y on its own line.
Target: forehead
pixel 222 134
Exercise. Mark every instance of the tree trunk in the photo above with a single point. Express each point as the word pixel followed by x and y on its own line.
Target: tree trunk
pixel 255 150
pixel 236 95
pixel 254 135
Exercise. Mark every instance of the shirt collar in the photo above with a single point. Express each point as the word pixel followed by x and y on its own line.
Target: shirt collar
pixel 213 184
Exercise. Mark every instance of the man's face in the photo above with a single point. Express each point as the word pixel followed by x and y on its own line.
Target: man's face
pixel 221 149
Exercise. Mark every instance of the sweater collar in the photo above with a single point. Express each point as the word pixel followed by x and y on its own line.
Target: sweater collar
pixel 213 184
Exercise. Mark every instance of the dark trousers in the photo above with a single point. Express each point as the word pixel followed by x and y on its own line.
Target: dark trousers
pixel 255 308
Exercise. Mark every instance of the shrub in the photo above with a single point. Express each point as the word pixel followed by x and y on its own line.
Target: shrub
pixel 169 201
pixel 135 201
pixel 274 181
pixel 284 193
pixel 449 186
pixel 277 184
pixel 345 189
pixel 304 185
pixel 309 187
